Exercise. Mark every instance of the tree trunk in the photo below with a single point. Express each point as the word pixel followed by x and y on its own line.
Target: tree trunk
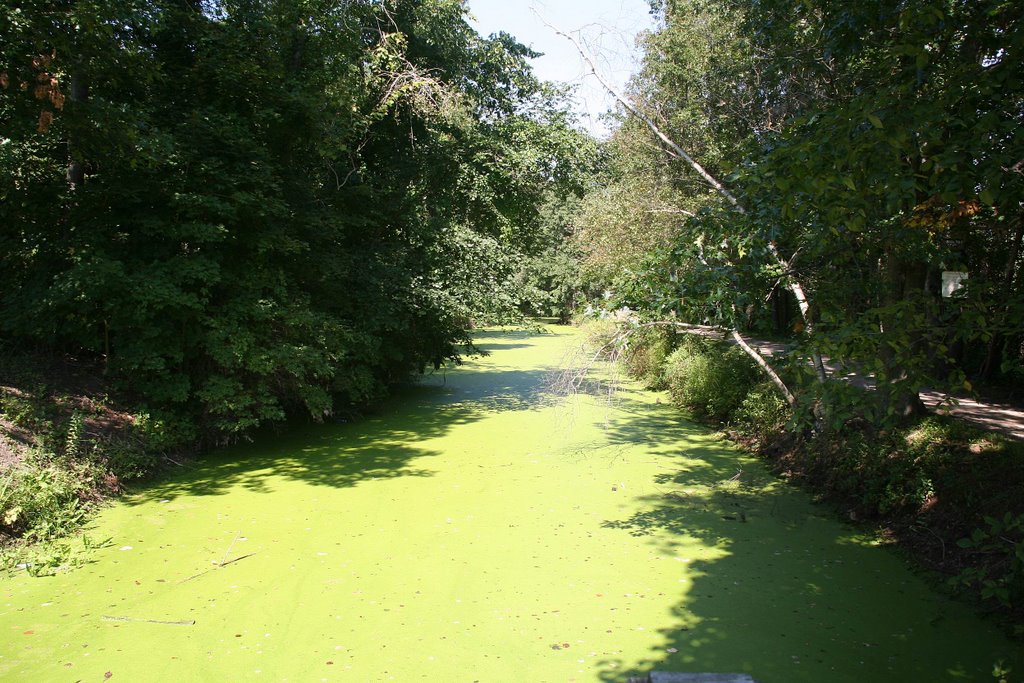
pixel 900 278
pixel 994 355
pixel 79 96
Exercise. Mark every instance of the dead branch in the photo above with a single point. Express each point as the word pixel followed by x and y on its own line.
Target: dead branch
pixel 184 622
pixel 633 109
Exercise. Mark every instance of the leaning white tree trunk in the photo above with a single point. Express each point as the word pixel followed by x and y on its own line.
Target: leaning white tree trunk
pixel 792 284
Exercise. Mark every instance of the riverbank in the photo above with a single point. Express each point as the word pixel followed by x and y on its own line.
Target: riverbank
pixel 947 493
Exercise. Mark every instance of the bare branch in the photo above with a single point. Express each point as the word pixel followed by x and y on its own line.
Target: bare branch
pixel 765 368
pixel 683 212
pixel 633 109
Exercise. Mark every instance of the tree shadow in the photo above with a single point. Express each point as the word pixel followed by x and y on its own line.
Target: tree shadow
pixel 774 586
pixel 384 445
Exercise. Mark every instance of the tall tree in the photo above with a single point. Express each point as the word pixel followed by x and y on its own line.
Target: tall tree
pixel 869 141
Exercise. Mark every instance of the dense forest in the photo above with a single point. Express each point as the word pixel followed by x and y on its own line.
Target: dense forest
pixel 244 211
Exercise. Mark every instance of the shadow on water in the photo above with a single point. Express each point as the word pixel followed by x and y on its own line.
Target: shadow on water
pixel 385 445
pixel 774 586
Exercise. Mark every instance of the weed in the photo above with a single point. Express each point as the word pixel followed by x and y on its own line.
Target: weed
pixel 644 357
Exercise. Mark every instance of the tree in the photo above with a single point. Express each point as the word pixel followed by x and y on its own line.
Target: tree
pixel 857 192
pixel 273 207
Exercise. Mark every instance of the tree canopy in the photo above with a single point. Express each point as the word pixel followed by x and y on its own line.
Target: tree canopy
pixel 251 208
pixel 867 149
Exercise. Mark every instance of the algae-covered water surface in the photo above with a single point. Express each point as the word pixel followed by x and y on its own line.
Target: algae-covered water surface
pixel 477 529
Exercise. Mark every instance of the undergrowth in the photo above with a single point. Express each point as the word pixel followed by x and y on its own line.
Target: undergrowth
pixel 66 448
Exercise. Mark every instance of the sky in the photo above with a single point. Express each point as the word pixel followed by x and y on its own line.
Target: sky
pixel 609 27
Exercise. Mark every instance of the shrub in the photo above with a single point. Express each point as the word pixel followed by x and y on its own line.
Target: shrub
pixel 41 499
pixel 1000 574
pixel 708 379
pixel 644 357
pixel 762 414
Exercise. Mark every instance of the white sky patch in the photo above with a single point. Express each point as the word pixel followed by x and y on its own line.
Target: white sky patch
pixel 609 28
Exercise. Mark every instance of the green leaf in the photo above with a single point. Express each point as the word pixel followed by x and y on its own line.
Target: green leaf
pixel 875 121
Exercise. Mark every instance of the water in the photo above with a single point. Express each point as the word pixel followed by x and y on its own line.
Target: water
pixel 476 529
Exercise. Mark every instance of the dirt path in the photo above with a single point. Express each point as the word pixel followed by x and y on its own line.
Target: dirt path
pixel 997 417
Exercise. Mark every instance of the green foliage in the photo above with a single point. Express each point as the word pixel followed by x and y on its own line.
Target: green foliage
pixel 707 379
pixel 874 192
pixel 49 557
pixel 1000 575
pixel 938 465
pixel 646 354
pixel 877 477
pixel 550 285
pixel 275 209
pixel 763 414
pixel 82 450
pixel 41 499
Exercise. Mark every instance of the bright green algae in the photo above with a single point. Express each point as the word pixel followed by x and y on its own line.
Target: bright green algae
pixel 479 530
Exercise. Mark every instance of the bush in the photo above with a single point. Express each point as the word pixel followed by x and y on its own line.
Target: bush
pixel 763 414
pixel 644 357
pixel 876 477
pixel 708 379
pixel 1000 574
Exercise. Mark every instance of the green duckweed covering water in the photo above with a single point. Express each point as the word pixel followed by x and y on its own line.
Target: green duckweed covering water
pixel 479 530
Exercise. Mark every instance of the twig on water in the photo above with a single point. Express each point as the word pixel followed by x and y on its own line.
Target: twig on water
pixel 186 622
pixel 220 565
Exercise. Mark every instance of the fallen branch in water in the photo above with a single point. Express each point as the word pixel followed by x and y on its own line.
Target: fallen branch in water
pixel 217 565
pixel 187 622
